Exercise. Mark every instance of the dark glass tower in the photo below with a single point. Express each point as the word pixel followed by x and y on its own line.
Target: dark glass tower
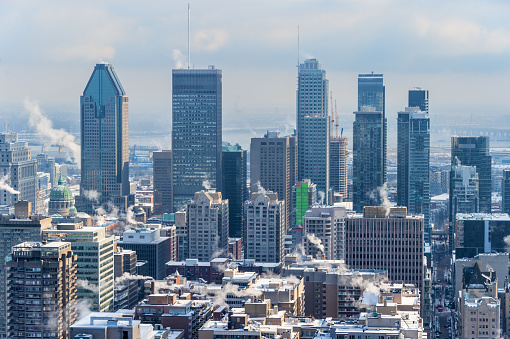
pixel 163 182
pixel 505 191
pixel 474 151
pixel 313 124
pixel 104 141
pixel 413 158
pixel 419 97
pixel 371 93
pixel 234 186
pixel 368 166
pixel 196 132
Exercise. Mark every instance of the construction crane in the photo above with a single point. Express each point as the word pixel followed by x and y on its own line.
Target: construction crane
pixel 332 114
pixel 336 121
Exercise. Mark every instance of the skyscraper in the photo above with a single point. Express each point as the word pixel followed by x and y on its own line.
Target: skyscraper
pixel 475 151
pixel 371 93
pixel 163 182
pixel 48 268
pixel 419 97
pixel 338 154
pixel 196 132
pixel 413 158
pixel 207 226
pixel 325 224
pixel 273 166
pixel 505 191
pixel 313 124
pixel 264 227
pixel 234 186
pixel 18 170
pixel 104 141
pixel 368 154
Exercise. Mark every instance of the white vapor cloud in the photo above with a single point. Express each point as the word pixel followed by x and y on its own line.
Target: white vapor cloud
pixel 5 186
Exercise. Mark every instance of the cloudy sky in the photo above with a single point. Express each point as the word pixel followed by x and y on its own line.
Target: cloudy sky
pixel 459 50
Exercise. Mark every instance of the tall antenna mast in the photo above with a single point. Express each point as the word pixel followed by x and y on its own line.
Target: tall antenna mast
pixel 189 63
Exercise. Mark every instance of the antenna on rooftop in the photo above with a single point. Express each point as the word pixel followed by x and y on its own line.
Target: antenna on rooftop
pixel 189 12
pixel 298 46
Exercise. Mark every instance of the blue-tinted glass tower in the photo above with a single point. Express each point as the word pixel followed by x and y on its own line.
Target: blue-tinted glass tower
pixel 234 169
pixel 104 141
pixel 196 132
pixel 313 124
pixel 413 158
pixel 419 97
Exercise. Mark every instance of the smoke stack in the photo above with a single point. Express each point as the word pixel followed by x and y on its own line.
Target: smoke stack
pixel 153 287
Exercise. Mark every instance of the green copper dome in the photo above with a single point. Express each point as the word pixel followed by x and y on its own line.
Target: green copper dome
pixel 61 192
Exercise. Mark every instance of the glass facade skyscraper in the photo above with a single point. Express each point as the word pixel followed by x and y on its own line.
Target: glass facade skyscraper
pixel 104 141
pixel 368 151
pixel 313 124
pixel 419 97
pixel 196 132
pixel 371 93
pixel 413 157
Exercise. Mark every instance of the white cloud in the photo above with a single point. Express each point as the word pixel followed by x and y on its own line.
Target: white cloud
pixel 209 39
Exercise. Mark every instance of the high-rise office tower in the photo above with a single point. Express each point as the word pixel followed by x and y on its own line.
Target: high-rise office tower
pixel 338 154
pixel 464 195
pixel 313 124
pixel 264 227
pixel 163 182
pixel 94 270
pixel 42 290
pixel 505 191
pixel 196 132
pixel 104 141
pixel 324 233
pixel 273 164
pixel 234 186
pixel 474 151
pixel 181 231
pixel 46 164
pixel 15 229
pixel 18 170
pixel 419 97
pixel 371 93
pixel 368 157
pixel 413 158
pixel 304 196
pixel 207 226
pixel 149 246
pixel 386 240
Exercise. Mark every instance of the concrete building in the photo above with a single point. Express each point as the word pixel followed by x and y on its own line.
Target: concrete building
pixel 235 175
pixel 163 182
pixel 479 306
pixel 209 271
pixel 475 151
pixel 104 142
pixel 264 227
pixel 127 286
pixel 439 182
pixel 46 164
pixel 324 232
pixel 117 325
pixel 273 161
pixel 505 191
pixel 181 227
pixel 18 170
pixel 338 154
pixel 94 270
pixel 196 132
pixel 368 157
pixel 208 225
pixel 336 292
pixel 413 159
pixel 464 196
pixel 386 240
pixel 45 312
pixel 184 312
pixel 15 229
pixel 480 233
pixel 312 122
pixel 149 246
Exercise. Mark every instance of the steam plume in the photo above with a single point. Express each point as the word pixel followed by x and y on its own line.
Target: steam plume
pixel 316 241
pixel 5 186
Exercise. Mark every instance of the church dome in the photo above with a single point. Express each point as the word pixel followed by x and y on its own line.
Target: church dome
pixel 61 192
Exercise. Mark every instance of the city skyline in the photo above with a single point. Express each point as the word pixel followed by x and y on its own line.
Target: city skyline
pixel 451 56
